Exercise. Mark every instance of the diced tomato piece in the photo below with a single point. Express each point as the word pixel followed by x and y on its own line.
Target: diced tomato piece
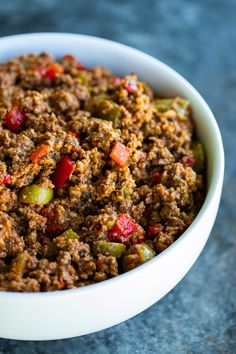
pixel 69 57
pixel 156 178
pixel 62 173
pixel 120 154
pixel 39 153
pixel 52 70
pixel 5 179
pixel 14 119
pixel 188 161
pixel 55 225
pixel 124 230
pixel 153 230
pixel 130 86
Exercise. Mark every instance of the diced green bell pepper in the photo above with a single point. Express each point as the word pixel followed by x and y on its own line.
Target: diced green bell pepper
pixel 199 156
pixel 178 104
pixel 69 233
pixel 104 108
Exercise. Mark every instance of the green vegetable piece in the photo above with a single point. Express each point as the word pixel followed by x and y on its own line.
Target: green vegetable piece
pixel 126 191
pixel 19 264
pixel 163 104
pixel 104 108
pixel 69 233
pixel 181 106
pixel 137 255
pixel 35 194
pixel 108 248
pixel 113 114
pixel 178 104
pixel 199 156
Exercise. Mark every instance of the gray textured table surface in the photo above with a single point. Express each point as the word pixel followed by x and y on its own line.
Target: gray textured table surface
pixel 198 39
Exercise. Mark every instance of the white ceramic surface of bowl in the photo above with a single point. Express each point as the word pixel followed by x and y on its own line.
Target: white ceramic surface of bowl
pixel 69 313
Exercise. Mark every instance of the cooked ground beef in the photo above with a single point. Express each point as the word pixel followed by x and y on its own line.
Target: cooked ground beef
pixel 96 175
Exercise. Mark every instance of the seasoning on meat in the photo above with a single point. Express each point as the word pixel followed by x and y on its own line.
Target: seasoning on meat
pixel 97 174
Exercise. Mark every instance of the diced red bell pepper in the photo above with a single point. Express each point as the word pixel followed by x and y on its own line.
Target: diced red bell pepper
pixel 188 161
pixel 153 230
pixel 120 154
pixel 123 229
pixel 130 86
pixel 62 173
pixel 14 119
pixel 5 179
pixel 52 70
pixel 39 153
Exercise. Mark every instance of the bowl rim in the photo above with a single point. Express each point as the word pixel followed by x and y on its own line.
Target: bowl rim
pixel 213 187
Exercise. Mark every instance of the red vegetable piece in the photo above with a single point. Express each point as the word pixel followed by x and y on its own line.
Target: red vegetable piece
pixel 153 230
pixel 120 154
pixel 62 173
pixel 123 229
pixel 14 119
pixel 5 180
pixel 39 153
pixel 69 57
pixel 52 70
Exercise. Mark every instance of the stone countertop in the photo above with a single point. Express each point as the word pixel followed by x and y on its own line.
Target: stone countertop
pixel 198 39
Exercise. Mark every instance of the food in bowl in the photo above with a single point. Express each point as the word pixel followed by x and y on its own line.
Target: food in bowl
pixel 97 175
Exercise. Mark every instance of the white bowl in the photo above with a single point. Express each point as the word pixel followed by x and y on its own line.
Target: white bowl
pixel 69 313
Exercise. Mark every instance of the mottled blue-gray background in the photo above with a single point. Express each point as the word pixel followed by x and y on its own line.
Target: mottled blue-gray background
pixel 198 39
